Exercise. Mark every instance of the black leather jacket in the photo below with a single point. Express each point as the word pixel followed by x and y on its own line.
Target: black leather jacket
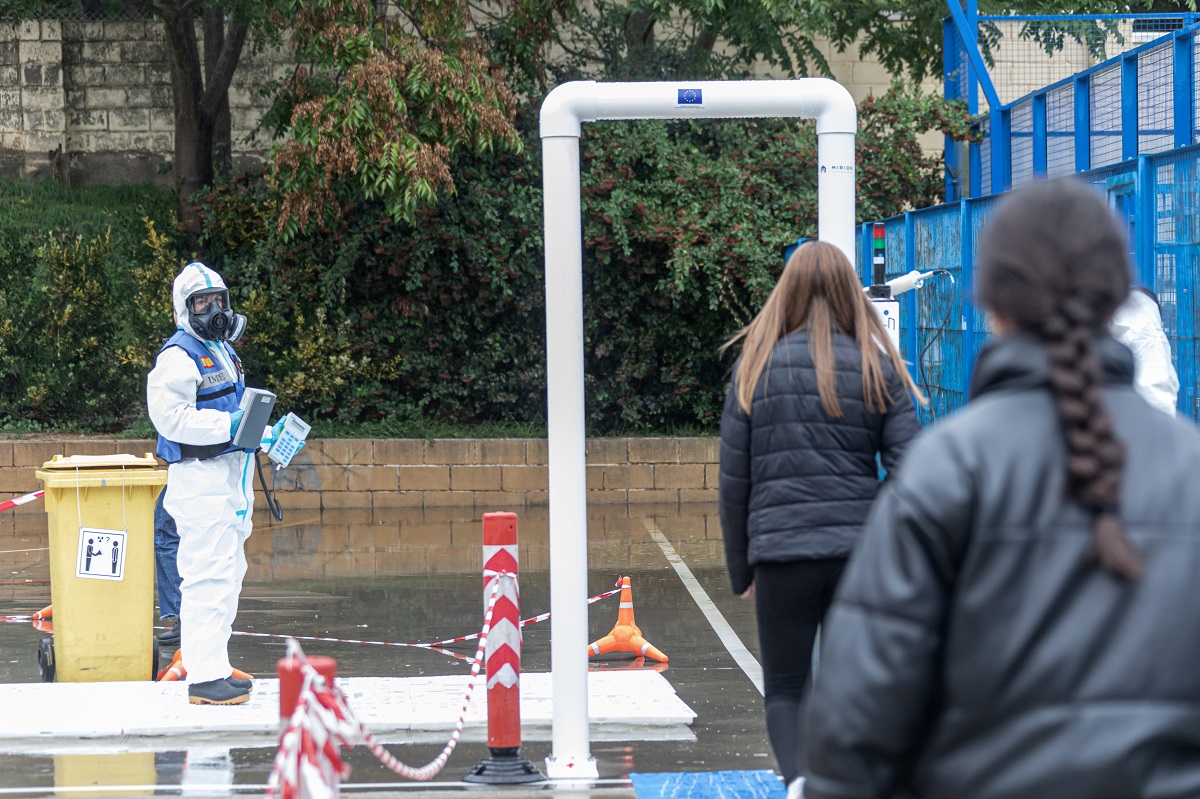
pixel 974 651
pixel 795 483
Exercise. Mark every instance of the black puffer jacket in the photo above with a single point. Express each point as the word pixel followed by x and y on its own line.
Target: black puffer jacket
pixel 973 649
pixel 795 483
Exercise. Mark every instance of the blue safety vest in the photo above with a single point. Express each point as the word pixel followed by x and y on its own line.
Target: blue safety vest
pixel 218 390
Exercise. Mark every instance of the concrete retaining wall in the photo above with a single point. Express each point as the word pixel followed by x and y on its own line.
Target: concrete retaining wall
pixel 418 473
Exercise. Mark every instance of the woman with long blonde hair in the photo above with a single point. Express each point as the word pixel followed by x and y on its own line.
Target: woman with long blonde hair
pixel 818 394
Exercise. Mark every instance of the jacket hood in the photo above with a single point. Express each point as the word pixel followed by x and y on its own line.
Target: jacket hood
pixel 1019 360
pixel 194 278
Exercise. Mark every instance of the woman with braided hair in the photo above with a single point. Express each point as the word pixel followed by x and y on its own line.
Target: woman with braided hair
pixel 1020 618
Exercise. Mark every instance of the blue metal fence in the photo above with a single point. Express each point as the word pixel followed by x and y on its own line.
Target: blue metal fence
pixel 1126 125
pixel 941 331
pixel 1142 101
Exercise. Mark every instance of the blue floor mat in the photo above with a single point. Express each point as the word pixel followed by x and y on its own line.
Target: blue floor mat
pixel 708 785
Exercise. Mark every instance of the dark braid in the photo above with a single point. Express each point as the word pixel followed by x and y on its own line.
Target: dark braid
pixel 1052 260
pixel 1095 458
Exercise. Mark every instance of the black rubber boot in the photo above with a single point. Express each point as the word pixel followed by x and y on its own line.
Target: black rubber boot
pixel 216 692
pixel 240 683
pixel 169 637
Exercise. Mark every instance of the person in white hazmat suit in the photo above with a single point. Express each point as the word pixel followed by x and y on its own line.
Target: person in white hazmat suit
pixel 1138 325
pixel 192 395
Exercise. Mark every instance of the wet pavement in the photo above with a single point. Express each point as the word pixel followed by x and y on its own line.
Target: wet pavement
pixel 412 575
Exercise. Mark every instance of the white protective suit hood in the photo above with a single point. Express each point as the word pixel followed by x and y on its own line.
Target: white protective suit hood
pixel 196 277
pixel 1138 325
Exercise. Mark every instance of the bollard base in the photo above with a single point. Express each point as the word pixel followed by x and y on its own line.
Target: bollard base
pixel 504 767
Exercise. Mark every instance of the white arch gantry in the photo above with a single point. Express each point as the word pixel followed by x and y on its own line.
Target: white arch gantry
pixel 563 111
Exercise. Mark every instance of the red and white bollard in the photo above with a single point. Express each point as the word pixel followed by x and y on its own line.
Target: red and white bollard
pixel 291 680
pixel 505 766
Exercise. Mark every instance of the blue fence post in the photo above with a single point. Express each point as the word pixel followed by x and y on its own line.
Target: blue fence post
pixel 1129 108
pixel 1001 150
pixel 1184 62
pixel 975 172
pixel 967 32
pixel 1039 134
pixel 974 155
pixel 972 78
pixel 950 148
pixel 1185 298
pixel 967 238
pixel 1083 125
pixel 866 241
pixel 1145 225
pixel 910 301
pixel 974 152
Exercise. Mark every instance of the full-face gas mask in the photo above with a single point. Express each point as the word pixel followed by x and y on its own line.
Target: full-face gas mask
pixel 211 318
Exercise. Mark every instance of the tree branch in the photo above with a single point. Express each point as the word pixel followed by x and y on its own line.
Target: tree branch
pixel 180 30
pixel 222 75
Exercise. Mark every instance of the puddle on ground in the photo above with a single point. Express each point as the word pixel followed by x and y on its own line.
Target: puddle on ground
pixel 408 575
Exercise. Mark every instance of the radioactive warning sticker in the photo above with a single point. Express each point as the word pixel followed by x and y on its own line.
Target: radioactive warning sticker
pixel 101 554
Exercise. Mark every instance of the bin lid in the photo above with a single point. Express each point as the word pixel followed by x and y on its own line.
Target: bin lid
pixel 120 461
pixel 101 471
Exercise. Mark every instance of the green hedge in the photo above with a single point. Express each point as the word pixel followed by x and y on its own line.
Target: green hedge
pixel 81 312
pixel 375 321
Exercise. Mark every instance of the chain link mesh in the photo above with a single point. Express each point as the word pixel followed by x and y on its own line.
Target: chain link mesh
pixel 1026 54
pixel 77 11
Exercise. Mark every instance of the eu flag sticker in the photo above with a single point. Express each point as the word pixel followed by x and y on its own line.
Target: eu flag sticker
pixel 691 97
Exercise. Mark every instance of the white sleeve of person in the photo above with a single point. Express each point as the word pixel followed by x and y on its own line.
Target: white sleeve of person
pixel 1138 325
pixel 171 402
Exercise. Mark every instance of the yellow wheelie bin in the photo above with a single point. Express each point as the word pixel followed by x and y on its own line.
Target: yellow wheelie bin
pixel 101 510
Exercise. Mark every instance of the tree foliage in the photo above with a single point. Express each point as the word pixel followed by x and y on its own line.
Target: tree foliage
pixel 379 106
pixel 406 280
pixel 363 317
pixel 647 39
pixel 661 39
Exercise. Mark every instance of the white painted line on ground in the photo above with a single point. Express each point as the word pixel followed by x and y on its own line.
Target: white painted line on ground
pixel 741 655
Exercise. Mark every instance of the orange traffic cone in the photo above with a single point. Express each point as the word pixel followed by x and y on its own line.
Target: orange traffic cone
pixel 45 613
pixel 176 671
pixel 626 636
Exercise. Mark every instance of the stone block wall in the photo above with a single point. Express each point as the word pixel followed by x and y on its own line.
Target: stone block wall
pixel 91 101
pixel 423 474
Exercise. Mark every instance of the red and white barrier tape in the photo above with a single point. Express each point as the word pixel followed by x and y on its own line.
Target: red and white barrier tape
pixel 434 646
pixel 308 763
pixel 9 504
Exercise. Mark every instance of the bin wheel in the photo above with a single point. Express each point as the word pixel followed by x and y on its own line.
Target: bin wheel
pixel 154 658
pixel 46 659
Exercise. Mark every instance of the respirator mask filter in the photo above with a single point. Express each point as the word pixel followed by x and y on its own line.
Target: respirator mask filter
pixel 239 327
